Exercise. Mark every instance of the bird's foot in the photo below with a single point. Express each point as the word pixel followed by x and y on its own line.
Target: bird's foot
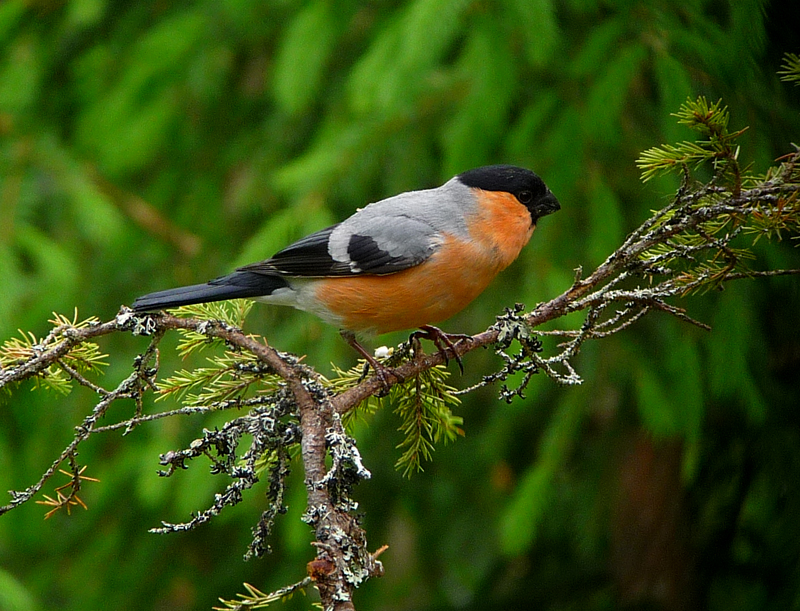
pixel 443 341
pixel 382 372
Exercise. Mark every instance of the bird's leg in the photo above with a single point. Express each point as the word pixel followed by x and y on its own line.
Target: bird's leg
pixel 381 371
pixel 443 341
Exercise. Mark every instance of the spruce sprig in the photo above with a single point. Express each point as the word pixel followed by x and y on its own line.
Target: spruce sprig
pixel 790 70
pixel 229 377
pixel 83 357
pixel 718 145
pixel 232 312
pixel 424 404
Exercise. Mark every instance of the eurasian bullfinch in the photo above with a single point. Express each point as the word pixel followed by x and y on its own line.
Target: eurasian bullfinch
pixel 404 262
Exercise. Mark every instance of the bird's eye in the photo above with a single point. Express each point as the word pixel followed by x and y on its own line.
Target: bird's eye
pixel 525 197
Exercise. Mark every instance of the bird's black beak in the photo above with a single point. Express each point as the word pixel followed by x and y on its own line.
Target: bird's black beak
pixel 547 204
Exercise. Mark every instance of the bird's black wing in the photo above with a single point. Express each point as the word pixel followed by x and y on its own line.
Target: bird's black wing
pixel 309 256
pixel 381 246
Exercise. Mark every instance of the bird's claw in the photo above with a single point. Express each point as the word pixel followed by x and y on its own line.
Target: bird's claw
pixel 382 372
pixel 443 341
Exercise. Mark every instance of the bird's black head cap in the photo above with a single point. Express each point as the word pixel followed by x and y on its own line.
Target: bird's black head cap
pixel 523 184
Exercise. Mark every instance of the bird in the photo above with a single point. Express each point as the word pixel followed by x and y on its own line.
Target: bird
pixel 404 262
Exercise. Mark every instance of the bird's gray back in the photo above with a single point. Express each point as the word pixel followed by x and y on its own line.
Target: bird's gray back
pixel 409 224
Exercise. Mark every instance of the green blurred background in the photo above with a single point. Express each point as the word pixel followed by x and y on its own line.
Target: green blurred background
pixel 145 145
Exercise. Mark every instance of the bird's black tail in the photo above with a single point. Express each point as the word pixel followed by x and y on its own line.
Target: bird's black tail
pixel 239 284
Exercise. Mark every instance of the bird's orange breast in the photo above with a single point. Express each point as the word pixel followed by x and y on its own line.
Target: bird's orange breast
pixel 441 286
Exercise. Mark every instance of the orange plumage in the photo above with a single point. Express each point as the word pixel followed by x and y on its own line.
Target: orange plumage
pixel 441 286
